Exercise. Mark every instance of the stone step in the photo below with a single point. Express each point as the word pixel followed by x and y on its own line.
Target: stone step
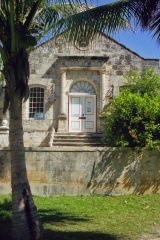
pixel 76 144
pixel 78 134
pixel 77 139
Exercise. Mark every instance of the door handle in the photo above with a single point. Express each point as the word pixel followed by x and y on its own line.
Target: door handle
pixel 82 117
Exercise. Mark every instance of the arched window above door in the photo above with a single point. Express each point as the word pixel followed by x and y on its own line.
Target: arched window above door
pixel 82 87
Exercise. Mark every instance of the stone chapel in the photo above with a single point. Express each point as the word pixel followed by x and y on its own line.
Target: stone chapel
pixel 70 84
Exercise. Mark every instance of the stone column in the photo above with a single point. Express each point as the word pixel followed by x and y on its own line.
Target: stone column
pixel 102 88
pixel 62 92
pixel 104 82
pixel 62 115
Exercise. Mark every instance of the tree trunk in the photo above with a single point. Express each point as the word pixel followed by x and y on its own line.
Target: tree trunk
pixel 26 224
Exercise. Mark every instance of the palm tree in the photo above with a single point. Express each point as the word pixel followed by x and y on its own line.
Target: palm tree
pixel 22 24
pixel 111 17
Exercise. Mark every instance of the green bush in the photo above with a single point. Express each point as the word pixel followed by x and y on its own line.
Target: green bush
pixel 133 118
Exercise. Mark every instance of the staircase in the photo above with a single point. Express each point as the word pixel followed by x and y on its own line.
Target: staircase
pixel 77 139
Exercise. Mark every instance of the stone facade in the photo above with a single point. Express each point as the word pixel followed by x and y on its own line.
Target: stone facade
pixel 56 65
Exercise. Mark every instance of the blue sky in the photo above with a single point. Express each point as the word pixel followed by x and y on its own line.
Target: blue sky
pixel 139 42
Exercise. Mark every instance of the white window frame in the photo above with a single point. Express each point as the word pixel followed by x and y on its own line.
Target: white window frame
pixel 39 117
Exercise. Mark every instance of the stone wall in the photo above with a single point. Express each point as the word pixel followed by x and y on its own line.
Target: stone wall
pixel 73 171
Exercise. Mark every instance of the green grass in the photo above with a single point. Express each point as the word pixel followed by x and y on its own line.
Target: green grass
pixel 90 217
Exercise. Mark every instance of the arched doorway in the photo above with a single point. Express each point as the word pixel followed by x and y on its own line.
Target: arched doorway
pixel 82 107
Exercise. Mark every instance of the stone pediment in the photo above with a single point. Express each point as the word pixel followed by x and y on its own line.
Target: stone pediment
pixel 101 46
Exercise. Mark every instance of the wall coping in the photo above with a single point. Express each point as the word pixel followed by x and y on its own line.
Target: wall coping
pixel 77 149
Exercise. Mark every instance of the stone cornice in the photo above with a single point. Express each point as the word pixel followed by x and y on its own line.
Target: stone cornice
pixel 63 69
pixel 87 57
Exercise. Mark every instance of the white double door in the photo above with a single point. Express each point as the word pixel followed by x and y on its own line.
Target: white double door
pixel 82 113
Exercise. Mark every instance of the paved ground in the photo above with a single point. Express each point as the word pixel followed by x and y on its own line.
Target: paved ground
pixel 154 236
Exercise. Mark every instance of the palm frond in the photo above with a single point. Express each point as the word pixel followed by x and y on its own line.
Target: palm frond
pixel 108 18
pixel 112 17
pixel 38 17
pixel 80 22
pixel 4 54
pixel 155 27
pixel 32 14
pixel 54 18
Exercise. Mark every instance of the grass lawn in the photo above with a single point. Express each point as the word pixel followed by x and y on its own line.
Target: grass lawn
pixel 90 217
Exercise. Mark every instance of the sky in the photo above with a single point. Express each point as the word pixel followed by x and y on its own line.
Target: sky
pixel 140 42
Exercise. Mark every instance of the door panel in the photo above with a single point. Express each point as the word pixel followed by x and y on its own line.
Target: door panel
pixel 89 109
pixel 82 114
pixel 89 105
pixel 75 112
pixel 75 106
pixel 88 125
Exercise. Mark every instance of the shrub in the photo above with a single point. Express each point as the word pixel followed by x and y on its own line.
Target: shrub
pixel 133 118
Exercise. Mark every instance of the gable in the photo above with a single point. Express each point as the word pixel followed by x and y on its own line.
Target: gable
pixel 120 57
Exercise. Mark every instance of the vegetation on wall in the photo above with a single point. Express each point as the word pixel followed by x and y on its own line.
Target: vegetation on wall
pixel 133 118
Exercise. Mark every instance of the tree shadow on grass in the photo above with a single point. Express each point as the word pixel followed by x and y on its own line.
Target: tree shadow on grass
pixel 52 217
pixel 59 235
pixel 5 228
pixel 61 218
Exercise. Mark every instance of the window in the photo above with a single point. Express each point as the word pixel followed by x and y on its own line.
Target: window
pixel 82 87
pixel 36 103
pixel 82 44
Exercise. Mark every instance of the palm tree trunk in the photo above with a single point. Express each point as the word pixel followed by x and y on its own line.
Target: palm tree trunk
pixel 26 224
